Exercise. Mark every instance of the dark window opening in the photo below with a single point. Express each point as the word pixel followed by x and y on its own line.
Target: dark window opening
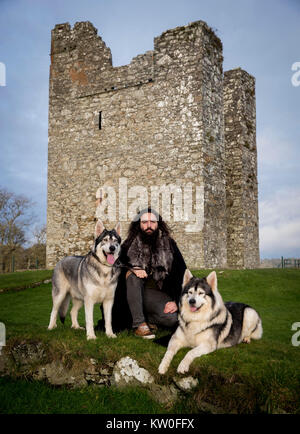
pixel 100 120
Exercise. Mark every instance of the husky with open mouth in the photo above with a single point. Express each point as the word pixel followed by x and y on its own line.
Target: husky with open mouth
pixel 206 323
pixel 88 280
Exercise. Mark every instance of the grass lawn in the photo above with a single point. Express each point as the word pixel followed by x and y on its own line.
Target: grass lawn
pixel 23 279
pixel 261 377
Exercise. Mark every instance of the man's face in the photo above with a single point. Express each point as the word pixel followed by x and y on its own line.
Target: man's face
pixel 148 223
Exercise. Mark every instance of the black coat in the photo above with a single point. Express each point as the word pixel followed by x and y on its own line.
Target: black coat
pixel 121 316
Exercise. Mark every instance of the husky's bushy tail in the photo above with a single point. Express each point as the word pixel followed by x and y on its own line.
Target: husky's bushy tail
pixel 64 308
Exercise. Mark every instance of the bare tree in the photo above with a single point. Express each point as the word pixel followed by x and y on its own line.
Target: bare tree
pixel 36 254
pixel 40 233
pixel 15 217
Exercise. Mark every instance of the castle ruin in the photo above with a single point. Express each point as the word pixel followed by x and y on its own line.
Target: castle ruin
pixel 170 119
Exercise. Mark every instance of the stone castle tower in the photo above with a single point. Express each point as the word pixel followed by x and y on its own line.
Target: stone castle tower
pixel 169 125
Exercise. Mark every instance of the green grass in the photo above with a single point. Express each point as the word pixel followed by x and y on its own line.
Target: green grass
pixel 260 377
pixel 23 279
pixel 22 395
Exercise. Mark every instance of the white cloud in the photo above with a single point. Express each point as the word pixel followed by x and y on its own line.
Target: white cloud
pixel 275 151
pixel 279 206
pixel 281 239
pixel 280 224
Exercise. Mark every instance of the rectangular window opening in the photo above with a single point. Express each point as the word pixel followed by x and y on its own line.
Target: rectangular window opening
pixel 100 120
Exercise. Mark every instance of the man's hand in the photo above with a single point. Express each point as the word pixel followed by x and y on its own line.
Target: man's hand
pixel 170 307
pixel 140 273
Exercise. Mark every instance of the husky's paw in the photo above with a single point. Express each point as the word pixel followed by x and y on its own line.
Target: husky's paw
pixel 162 369
pixel 52 327
pixel 91 337
pixel 111 335
pixel 247 340
pixel 183 367
pixel 77 328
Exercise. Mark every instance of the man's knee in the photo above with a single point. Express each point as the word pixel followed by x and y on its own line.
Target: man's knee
pixel 131 278
pixel 171 319
pixel 168 320
pixel 133 282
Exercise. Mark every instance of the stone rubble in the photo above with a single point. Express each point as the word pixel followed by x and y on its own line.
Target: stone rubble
pixel 127 371
pixel 28 360
pixel 186 384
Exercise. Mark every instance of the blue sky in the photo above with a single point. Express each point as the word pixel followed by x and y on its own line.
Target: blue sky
pixel 260 36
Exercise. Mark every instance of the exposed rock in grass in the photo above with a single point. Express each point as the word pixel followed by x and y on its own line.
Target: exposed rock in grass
pixel 186 384
pixel 28 353
pixel 165 395
pixel 100 376
pixel 58 375
pixel 127 371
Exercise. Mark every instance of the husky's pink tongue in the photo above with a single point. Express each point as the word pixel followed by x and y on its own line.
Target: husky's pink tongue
pixel 193 308
pixel 110 259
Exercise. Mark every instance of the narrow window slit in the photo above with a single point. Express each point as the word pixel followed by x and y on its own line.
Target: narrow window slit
pixel 100 120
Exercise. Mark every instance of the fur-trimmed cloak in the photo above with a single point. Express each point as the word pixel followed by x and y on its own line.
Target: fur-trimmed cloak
pixel 171 284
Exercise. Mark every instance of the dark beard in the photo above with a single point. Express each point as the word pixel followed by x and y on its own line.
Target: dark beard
pixel 149 238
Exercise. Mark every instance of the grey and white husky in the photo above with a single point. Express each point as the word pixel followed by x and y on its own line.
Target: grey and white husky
pixel 207 324
pixel 88 280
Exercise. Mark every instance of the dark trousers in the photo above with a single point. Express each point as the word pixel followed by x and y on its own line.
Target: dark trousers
pixel 146 303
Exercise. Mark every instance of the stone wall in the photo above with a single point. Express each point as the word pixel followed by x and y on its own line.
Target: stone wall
pixel 241 173
pixel 161 124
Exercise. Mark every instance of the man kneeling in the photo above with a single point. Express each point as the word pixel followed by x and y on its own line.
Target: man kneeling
pixel 155 269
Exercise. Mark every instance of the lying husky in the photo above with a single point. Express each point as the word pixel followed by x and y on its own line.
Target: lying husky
pixel 207 324
pixel 88 280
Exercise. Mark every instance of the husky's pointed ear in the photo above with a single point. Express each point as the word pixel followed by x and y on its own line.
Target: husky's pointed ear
pixel 99 228
pixel 187 277
pixel 118 228
pixel 212 280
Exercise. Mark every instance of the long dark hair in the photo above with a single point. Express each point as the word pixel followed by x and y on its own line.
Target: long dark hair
pixel 134 227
